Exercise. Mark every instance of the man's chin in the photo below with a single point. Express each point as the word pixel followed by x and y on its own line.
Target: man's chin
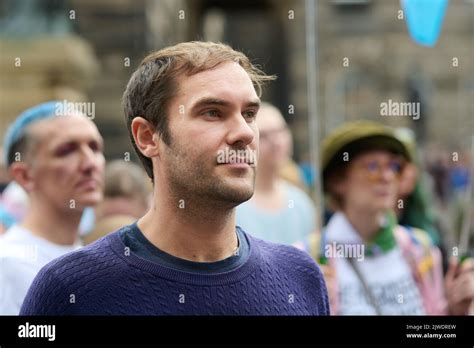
pixel 235 194
pixel 88 200
pixel 240 197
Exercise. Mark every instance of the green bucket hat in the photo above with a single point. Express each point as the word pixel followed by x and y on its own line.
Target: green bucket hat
pixel 354 137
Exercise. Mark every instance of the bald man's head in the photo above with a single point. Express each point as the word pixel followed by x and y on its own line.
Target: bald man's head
pixel 56 157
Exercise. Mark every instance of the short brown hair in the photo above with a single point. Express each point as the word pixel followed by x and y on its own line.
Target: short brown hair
pixel 154 83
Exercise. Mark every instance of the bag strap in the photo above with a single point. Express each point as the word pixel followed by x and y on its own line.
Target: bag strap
pixel 368 292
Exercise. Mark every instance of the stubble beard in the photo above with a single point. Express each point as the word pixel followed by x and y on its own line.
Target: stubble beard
pixel 194 180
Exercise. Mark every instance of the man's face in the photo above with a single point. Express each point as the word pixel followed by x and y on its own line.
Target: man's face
pixel 372 181
pixel 67 167
pixel 275 139
pixel 213 114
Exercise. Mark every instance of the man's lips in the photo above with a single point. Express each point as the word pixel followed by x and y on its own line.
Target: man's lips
pixel 238 164
pixel 88 183
pixel 237 157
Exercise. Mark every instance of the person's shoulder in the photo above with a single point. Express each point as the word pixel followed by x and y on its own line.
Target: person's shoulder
pixel 299 267
pixel 423 256
pixel 295 190
pixel 82 264
pixel 17 248
pixel 287 256
pixel 15 235
pixel 70 274
pixel 298 195
pixel 414 236
pixel 91 255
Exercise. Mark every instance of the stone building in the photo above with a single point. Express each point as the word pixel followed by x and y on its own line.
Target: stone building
pixel 365 58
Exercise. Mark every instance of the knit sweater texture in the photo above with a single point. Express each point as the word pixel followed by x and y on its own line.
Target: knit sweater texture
pixel 105 278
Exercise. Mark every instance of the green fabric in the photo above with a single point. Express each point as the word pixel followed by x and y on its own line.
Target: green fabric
pixel 418 212
pixel 383 242
pixel 385 239
pixel 323 260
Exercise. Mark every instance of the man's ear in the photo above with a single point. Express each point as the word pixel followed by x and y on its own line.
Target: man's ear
pixel 20 172
pixel 145 137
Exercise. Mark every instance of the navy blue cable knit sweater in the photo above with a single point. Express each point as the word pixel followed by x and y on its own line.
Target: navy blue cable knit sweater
pixel 105 278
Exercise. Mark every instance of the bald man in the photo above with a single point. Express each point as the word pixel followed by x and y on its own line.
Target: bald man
pixel 278 211
pixel 57 159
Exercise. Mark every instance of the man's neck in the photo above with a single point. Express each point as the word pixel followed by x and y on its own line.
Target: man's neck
pixel 59 227
pixel 366 223
pixel 191 231
pixel 270 193
pixel 266 181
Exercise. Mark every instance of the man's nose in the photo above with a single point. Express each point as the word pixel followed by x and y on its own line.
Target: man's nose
pixel 89 159
pixel 240 131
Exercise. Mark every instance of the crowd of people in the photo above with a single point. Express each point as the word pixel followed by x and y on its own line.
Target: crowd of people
pixel 187 233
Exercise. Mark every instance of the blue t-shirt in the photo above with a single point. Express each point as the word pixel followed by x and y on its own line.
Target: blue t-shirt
pixel 108 278
pixel 291 224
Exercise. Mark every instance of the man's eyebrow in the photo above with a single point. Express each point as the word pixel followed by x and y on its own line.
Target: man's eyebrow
pixel 254 103
pixel 210 101
pixel 98 140
pixel 220 102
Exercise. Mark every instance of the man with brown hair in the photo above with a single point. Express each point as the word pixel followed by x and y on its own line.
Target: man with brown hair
pixel 191 112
